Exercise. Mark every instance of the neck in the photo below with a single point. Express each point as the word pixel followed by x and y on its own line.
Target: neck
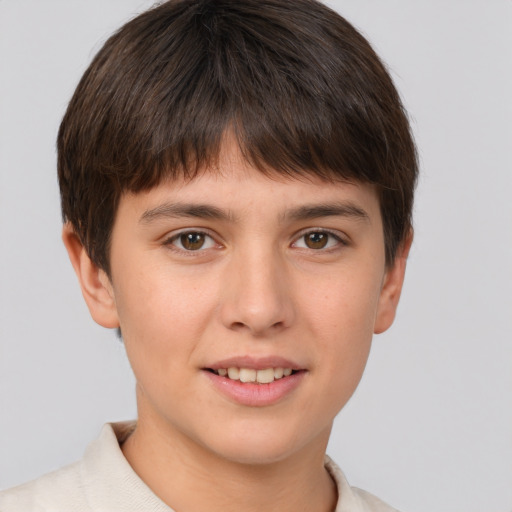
pixel 187 476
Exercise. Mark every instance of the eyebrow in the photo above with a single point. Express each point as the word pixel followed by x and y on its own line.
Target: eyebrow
pixel 178 210
pixel 315 211
pixel 206 211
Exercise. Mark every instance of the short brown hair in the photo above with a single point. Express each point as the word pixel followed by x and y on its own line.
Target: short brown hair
pixel 302 91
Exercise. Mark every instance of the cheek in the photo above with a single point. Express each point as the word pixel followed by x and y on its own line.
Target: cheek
pixel 162 316
pixel 343 305
pixel 341 320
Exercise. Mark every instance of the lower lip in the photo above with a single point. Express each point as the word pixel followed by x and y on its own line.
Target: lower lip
pixel 253 394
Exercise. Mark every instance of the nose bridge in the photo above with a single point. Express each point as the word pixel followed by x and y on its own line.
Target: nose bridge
pixel 257 297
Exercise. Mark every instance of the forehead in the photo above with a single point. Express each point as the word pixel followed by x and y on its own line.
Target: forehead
pixel 234 190
pixel 240 195
pixel 233 182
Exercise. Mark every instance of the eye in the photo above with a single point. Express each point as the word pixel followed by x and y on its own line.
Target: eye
pixel 317 240
pixel 192 241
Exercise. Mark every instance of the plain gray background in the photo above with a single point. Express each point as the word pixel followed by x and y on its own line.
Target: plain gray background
pixel 430 428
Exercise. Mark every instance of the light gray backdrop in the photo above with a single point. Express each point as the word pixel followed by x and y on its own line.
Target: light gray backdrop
pixel 430 428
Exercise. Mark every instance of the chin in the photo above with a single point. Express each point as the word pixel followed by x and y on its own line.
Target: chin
pixel 260 446
pixel 260 455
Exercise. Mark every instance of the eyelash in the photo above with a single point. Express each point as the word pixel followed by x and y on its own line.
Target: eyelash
pixel 170 242
pixel 340 241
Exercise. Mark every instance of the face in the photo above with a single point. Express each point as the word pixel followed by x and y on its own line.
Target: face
pixel 247 305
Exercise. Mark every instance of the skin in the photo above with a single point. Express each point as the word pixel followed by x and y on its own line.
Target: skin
pixel 255 288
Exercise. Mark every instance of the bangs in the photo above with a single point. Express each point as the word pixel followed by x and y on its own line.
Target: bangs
pixel 299 89
pixel 168 102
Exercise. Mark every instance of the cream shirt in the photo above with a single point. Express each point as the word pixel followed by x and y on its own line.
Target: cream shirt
pixel 103 481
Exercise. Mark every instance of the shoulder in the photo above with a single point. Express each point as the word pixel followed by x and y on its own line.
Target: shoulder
pixel 352 499
pixel 372 503
pixel 59 490
pixel 88 485
pixel 68 488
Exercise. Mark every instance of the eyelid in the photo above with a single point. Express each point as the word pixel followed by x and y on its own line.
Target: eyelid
pixel 341 238
pixel 170 238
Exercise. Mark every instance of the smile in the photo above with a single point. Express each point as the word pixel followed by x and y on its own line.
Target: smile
pixel 265 376
pixel 267 384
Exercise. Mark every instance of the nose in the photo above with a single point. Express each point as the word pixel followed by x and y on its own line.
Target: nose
pixel 257 294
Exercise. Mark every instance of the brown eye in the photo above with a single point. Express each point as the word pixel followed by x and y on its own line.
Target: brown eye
pixel 319 240
pixel 316 240
pixel 192 241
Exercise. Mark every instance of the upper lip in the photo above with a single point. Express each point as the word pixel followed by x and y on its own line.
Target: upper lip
pixel 255 363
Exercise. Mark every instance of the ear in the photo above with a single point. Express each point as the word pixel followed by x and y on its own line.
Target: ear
pixel 392 288
pixel 94 282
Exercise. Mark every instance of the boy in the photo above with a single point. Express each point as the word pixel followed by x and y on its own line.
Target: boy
pixel 237 182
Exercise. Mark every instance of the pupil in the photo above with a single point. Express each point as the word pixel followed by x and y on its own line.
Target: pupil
pixel 316 240
pixel 192 241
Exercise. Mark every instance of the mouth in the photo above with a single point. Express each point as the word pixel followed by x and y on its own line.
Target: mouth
pixel 251 375
pixel 256 381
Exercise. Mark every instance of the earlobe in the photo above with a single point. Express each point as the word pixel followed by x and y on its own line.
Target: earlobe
pixel 392 288
pixel 94 282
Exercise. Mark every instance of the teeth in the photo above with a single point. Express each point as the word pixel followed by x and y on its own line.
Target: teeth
pixel 247 375
pixel 234 373
pixel 265 376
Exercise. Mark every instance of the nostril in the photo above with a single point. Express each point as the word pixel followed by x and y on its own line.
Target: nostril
pixel 238 326
pixel 257 313
pixel 257 329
